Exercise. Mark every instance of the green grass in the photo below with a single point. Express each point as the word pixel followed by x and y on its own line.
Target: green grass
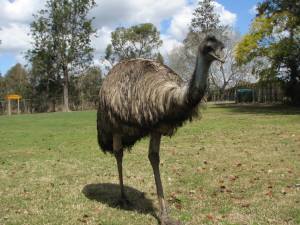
pixel 237 165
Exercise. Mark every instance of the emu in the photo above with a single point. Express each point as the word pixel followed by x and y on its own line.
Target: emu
pixel 140 98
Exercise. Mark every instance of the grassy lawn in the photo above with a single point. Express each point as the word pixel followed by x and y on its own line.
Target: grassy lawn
pixel 237 165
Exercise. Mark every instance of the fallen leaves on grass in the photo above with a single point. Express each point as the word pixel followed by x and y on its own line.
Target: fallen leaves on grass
pixel 192 192
pixel 269 193
pixel 174 200
pixel 232 177
pixel 83 219
pixel 210 217
pixel 238 164
pixel 178 206
pixel 245 205
pixel 283 191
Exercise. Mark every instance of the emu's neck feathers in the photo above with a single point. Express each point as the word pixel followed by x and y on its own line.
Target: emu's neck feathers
pixel 198 83
pixel 192 93
pixel 173 98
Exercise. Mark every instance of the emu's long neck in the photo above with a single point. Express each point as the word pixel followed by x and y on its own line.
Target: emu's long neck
pixel 191 94
pixel 198 83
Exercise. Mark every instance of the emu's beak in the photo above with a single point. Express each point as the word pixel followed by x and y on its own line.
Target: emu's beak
pixel 218 56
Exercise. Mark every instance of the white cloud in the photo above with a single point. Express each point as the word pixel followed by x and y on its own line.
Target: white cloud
pixel 226 17
pixel 169 43
pixel 102 40
pixel 180 23
pixel 253 10
pixel 15 17
pixel 20 57
pixel 156 11
pixel 19 10
pixel 118 12
pixel 15 38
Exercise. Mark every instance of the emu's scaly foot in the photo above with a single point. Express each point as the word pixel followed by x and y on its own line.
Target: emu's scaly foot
pixel 166 220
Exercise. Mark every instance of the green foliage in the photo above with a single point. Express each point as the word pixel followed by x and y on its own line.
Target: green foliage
pixel 70 30
pixel 139 41
pixel 205 20
pixel 91 84
pixel 275 37
pixel 62 41
pixel 160 58
pixel 108 52
pixel 88 85
pixel 210 175
pixel 2 87
pixel 15 81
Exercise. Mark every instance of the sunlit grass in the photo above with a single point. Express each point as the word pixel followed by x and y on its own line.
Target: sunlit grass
pixel 237 165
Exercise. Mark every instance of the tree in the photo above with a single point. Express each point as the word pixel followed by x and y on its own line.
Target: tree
pixel 16 80
pixel 205 21
pixel 45 74
pixel 139 41
pixel 275 37
pixel 179 62
pixel 90 84
pixel 160 58
pixel 62 39
pixel 2 88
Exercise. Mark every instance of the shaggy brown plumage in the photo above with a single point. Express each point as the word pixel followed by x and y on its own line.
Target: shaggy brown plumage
pixel 142 97
pixel 139 96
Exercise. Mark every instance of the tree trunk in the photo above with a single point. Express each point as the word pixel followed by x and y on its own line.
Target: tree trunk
pixel 9 108
pixel 294 84
pixel 66 89
pixel 53 104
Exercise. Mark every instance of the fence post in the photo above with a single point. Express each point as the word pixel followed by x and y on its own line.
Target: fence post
pixel 18 106
pixel 9 108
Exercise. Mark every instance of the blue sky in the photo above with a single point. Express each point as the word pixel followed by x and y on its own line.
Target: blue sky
pixel 242 8
pixel 171 17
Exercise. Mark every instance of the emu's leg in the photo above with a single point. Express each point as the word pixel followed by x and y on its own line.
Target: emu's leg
pixel 154 160
pixel 118 152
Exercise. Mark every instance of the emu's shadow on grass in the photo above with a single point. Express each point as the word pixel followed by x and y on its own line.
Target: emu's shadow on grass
pixel 109 194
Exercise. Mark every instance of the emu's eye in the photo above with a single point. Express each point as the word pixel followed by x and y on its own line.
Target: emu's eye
pixel 208 48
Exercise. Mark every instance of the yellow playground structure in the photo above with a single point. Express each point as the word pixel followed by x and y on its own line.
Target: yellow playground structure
pixel 9 98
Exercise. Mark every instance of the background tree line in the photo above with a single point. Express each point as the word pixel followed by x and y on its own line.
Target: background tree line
pixel 269 53
pixel 273 45
pixel 60 74
pixel 224 76
pixel 60 63
pixel 43 94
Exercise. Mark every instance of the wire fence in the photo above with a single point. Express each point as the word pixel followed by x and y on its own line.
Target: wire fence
pixel 267 93
pixel 55 104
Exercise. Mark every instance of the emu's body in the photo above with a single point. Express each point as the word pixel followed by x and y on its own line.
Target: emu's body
pixel 142 97
pixel 138 97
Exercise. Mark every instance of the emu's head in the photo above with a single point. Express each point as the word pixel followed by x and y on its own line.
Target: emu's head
pixel 212 49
